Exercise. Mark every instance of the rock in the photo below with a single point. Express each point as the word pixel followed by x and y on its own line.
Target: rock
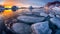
pixel 3 32
pixel 55 21
pixel 21 28
pixel 1 25
pixel 58 32
pixel 4 28
pixel 41 28
pixel 29 19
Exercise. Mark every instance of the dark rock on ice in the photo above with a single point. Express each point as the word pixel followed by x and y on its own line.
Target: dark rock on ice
pixel 4 28
pixel 58 32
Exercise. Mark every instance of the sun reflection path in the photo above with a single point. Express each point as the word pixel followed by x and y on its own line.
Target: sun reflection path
pixel 7 13
pixel 9 4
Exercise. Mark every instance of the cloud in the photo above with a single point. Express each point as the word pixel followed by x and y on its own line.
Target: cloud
pixel 35 2
pixel 31 2
pixel 2 1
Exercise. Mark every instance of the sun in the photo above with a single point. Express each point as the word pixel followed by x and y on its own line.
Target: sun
pixel 7 13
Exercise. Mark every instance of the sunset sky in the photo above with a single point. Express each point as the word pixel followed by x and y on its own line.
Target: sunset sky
pixel 20 3
pixel 27 2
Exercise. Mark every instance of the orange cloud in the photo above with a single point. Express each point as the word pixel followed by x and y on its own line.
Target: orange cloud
pixel 12 2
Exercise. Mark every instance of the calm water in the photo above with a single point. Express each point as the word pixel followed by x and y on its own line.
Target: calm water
pixel 30 10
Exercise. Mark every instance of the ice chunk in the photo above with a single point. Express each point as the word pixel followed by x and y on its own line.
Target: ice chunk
pixel 29 19
pixel 41 28
pixel 21 28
